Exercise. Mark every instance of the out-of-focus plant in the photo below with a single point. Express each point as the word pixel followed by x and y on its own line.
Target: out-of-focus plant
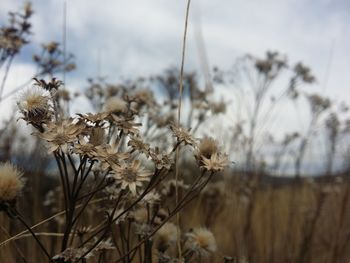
pixel 12 39
pixel 318 105
pixel 333 128
pixel 252 81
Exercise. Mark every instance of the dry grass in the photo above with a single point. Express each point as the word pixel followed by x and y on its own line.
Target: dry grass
pixel 278 232
pixel 223 207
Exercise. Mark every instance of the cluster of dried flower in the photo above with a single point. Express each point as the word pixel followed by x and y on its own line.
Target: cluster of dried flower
pixel 111 155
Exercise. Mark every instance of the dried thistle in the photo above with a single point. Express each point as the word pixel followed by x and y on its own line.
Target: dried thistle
pixel 11 183
pixel 116 105
pixel 35 106
pixel 201 241
pixel 166 236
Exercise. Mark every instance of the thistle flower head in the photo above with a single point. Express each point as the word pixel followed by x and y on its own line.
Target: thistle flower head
pixel 202 241
pixel 35 106
pixel 209 155
pixel 207 147
pixel 11 182
pixel 115 105
pixel 166 236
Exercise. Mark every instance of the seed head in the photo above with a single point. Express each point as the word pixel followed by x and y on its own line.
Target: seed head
pixel 202 241
pixel 11 183
pixel 167 235
pixel 207 147
pixel 116 105
pixel 34 104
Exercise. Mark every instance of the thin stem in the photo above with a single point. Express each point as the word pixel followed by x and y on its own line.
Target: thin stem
pixel 177 168
pixel 43 222
pixel 19 217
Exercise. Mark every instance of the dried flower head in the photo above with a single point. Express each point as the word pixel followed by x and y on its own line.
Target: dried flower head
pixel 217 162
pixel 35 106
pixel 130 175
pixel 201 241
pixel 166 236
pixel 207 147
pixel 11 183
pixel 84 147
pixel 115 105
pixel 137 144
pixel 304 73
pixel 318 103
pixel 161 160
pixel 61 134
pixel 126 125
pixel 63 94
pixel 109 155
pixel 182 135
pixel 144 97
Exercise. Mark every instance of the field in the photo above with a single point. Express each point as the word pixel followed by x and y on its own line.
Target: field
pixel 166 168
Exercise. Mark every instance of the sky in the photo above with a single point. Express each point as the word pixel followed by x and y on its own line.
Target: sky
pixel 130 38
pixel 119 37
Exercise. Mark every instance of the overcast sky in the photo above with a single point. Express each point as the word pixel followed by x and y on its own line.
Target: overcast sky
pixel 137 37
pixel 143 37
